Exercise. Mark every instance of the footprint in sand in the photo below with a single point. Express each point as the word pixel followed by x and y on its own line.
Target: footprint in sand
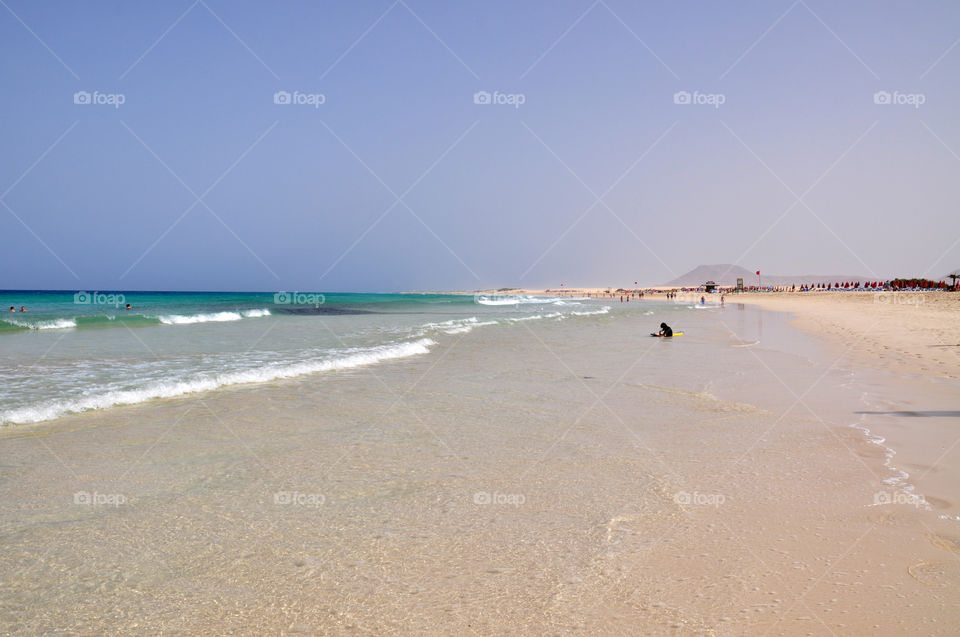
pixel 945 542
pixel 939 574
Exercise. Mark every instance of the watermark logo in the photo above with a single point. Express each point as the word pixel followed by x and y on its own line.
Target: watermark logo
pixel 484 498
pixel 700 499
pixel 496 299
pixel 303 99
pixel 85 498
pixel 689 297
pixel 298 298
pixel 897 98
pixel 885 497
pixel 295 498
pixel 897 298
pixel 84 98
pixel 98 298
pixel 515 100
pixel 697 98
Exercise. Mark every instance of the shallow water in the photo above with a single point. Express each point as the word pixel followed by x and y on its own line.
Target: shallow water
pixel 72 352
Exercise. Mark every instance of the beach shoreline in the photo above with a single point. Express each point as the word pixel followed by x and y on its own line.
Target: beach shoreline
pixel 544 476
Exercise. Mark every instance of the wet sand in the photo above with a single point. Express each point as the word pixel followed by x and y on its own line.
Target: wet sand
pixel 556 478
pixel 908 332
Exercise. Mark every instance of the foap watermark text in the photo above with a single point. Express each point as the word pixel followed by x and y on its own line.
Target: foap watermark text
pixel 898 298
pixel 296 498
pixel 497 98
pixel 897 98
pixel 697 98
pixel 284 98
pixel 886 497
pixel 700 499
pixel 299 298
pixel 85 498
pixel 97 98
pixel 485 497
pixel 99 298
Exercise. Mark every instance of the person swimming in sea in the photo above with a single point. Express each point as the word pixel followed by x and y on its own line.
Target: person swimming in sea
pixel 665 330
pixel 13 309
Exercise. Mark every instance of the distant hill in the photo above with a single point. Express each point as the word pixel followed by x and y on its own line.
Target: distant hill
pixel 726 274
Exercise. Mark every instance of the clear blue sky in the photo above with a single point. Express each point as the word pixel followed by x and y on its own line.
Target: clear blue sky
pixel 299 197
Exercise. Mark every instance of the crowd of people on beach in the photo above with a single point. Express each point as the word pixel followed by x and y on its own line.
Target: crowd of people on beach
pixel 869 286
pixel 889 285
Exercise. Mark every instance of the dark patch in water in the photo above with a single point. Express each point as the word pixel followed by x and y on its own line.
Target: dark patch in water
pixel 319 310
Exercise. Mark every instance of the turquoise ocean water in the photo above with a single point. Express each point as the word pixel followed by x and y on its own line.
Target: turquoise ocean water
pixel 72 352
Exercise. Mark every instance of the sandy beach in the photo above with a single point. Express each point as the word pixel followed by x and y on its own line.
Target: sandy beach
pixel 536 477
pixel 909 332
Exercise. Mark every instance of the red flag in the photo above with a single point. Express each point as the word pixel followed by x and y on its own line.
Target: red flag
pixel 758 272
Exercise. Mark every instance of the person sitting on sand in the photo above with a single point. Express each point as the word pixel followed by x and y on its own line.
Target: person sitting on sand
pixel 665 330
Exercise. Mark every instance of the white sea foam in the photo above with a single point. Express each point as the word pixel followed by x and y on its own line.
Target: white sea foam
pixel 214 317
pixel 535 317
pixel 345 359
pixel 217 317
pixel 56 324
pixel 457 326
pixel 603 310
pixel 486 300
pixel 516 299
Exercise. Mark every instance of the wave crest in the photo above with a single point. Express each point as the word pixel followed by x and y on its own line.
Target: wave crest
pixel 170 388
